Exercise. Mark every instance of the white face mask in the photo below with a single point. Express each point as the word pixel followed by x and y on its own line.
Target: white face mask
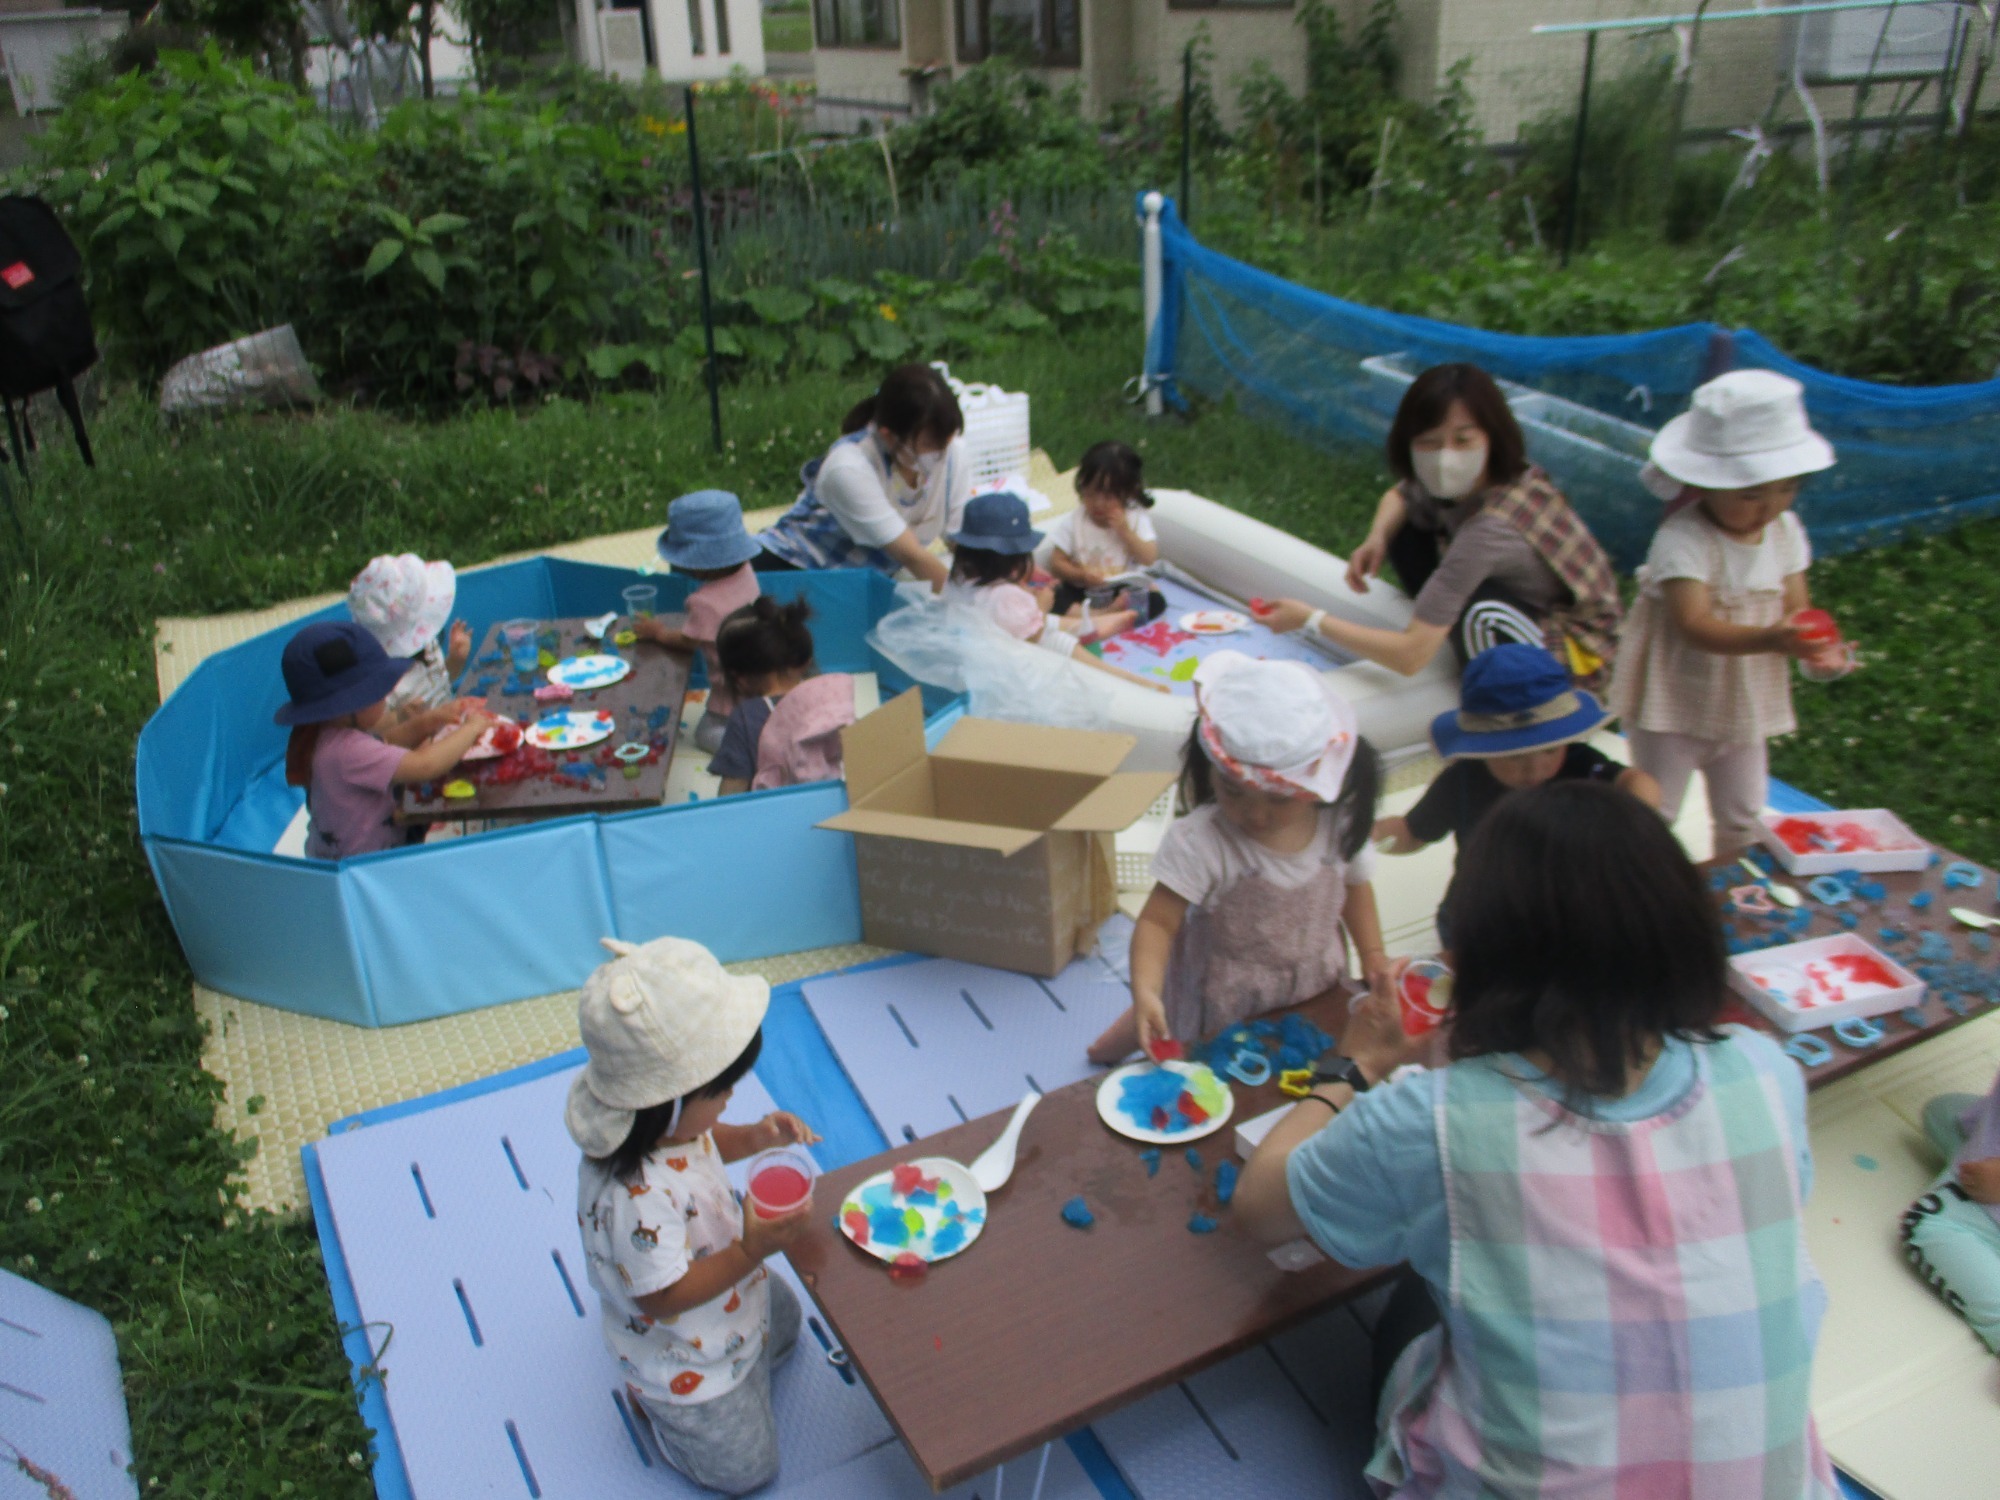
pixel 927 465
pixel 1450 473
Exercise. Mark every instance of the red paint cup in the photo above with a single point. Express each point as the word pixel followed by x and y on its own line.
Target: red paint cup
pixel 1423 994
pixel 781 1181
pixel 1816 627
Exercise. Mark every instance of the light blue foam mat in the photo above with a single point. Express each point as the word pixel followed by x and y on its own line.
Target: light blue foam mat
pixel 62 1403
pixel 931 1043
pixel 886 1473
pixel 1291 1417
pixel 451 1235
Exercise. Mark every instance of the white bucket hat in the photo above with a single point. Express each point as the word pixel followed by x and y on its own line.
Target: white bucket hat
pixel 1275 725
pixel 403 601
pixel 1745 428
pixel 660 1020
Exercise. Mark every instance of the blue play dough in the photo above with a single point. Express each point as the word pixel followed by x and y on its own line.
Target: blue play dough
pixel 1194 1158
pixel 1225 1182
pixel 950 1235
pixel 1201 1224
pixel 1152 1160
pixel 886 1227
pixel 1150 1089
pixel 1076 1213
pixel 1920 900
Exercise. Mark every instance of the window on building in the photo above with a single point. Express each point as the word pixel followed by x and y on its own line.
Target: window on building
pixel 1040 33
pixel 858 23
pixel 722 27
pixel 695 40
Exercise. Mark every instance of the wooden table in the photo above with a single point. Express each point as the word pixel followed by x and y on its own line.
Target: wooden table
pixel 1040 1328
pixel 1894 910
pixel 658 680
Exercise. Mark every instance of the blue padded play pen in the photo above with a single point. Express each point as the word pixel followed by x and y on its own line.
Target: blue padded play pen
pixel 414 933
pixel 1911 459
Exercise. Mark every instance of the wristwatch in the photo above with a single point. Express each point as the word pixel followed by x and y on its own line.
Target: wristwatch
pixel 1343 1070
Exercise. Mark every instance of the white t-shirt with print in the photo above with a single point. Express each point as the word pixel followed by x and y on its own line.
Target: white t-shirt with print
pixel 426 685
pixel 640 1237
pixel 1089 545
pixel 1689 545
pixel 1203 854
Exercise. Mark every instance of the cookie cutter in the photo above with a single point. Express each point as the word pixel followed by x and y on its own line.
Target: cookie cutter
pixel 1829 890
pixel 1249 1067
pixel 632 752
pixel 1295 1083
pixel 1809 1050
pixel 1752 898
pixel 1962 875
pixel 1859 1032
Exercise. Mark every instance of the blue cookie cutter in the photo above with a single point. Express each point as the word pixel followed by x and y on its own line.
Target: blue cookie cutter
pixel 1829 890
pixel 1809 1050
pixel 1962 875
pixel 1859 1032
pixel 1249 1067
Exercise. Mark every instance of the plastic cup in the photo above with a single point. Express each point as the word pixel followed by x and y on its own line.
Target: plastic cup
pixel 781 1181
pixel 1816 627
pixel 640 599
pixel 522 640
pixel 1423 995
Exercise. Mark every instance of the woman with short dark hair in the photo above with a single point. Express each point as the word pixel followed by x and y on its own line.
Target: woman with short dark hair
pixel 893 483
pixel 1599 1199
pixel 1482 538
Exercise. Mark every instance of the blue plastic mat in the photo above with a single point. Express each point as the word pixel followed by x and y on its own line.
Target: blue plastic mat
pixel 62 1403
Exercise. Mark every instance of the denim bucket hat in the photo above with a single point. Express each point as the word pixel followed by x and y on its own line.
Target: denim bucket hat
pixel 705 530
pixel 334 668
pixel 1515 698
pixel 997 522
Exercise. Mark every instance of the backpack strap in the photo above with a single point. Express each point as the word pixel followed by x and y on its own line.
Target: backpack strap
pixel 66 394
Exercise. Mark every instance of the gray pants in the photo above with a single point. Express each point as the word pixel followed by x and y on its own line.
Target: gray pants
pixel 731 1443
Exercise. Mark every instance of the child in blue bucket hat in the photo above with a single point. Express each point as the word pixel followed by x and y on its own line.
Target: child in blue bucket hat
pixel 339 679
pixel 706 539
pixel 993 558
pixel 1520 722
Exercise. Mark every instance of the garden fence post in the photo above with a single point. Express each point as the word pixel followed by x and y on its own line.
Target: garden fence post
pixel 1186 204
pixel 1576 149
pixel 1152 276
pixel 701 257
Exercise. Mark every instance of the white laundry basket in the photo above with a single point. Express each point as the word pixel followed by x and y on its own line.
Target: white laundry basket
pixel 996 427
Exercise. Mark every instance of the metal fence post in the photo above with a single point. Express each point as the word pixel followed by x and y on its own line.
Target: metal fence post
pixel 1186 204
pixel 1576 149
pixel 701 255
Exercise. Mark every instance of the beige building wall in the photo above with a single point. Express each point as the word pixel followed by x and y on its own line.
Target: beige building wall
pixel 1239 37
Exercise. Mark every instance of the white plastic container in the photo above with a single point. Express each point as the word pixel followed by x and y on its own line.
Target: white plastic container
pixel 1895 846
pixel 1803 986
pixel 996 428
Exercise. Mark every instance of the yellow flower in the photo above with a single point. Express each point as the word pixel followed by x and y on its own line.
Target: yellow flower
pixel 679 127
pixel 652 126
pixel 887 312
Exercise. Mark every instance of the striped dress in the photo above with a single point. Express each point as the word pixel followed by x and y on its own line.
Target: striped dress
pixel 1631 1310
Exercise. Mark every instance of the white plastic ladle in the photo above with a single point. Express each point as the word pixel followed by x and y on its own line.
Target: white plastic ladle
pixel 1972 918
pixel 995 1164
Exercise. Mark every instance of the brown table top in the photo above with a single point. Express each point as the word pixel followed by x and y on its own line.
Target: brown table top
pixel 1893 911
pixel 658 680
pixel 1041 1327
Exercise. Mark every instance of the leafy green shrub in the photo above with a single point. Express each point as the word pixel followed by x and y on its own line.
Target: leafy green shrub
pixel 1003 128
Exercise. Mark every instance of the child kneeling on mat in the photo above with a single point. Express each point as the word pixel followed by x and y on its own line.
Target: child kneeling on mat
pixel 1252 888
pixel 691 1314
pixel 1952 1233
pixel 785 728
pixel 705 539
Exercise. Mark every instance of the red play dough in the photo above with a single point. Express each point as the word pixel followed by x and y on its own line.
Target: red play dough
pixel 857 1225
pixel 779 1187
pixel 908 1267
pixel 1192 1112
pixel 1864 968
pixel 1802 835
pixel 1260 606
pixel 1166 1051
pixel 905 1179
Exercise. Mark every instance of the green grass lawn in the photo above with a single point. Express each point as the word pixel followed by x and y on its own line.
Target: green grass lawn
pixel 113 1180
pixel 788 30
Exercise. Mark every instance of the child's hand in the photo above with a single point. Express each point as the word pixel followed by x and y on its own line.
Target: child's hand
pixel 458 647
pixel 1981 1179
pixel 1045 600
pixel 1151 1018
pixel 1787 640
pixel 458 708
pixel 1094 578
pixel 1284 615
pixel 763 1238
pixel 783 1128
pixel 1374 1035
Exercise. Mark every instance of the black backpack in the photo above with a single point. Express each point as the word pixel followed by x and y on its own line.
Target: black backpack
pixel 45 335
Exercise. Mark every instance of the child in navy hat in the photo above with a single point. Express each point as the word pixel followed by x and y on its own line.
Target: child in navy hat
pixel 339 679
pixel 706 539
pixel 1519 723
pixel 993 557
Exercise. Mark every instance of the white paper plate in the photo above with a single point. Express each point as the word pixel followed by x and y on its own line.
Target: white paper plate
pixel 583 673
pixel 571 730
pixel 965 1195
pixel 1214 622
pixel 1109 1092
pixel 483 748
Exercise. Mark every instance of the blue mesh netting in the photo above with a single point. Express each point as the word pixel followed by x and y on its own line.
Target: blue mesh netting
pixel 1910 459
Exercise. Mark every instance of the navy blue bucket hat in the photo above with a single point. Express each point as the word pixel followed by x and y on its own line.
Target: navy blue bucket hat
pixel 1515 698
pixel 333 669
pixel 997 522
pixel 705 530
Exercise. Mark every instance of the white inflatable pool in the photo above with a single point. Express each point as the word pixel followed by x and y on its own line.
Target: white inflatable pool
pixel 1232 558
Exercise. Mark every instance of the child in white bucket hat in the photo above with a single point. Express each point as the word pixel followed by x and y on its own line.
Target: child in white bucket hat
pixel 692 1316
pixel 1701 681
pixel 1251 889
pixel 405 603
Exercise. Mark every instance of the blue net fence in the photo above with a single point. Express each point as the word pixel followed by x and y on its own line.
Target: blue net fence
pixel 1911 459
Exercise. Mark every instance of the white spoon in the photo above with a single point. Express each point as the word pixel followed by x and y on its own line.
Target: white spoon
pixel 1972 918
pixel 995 1164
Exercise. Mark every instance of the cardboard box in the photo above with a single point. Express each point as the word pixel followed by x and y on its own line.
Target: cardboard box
pixel 996 847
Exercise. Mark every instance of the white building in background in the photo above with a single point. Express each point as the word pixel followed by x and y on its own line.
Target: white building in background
pixel 684 41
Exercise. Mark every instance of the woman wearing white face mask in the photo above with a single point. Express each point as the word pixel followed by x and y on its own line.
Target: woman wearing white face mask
pixel 1482 538
pixel 893 483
